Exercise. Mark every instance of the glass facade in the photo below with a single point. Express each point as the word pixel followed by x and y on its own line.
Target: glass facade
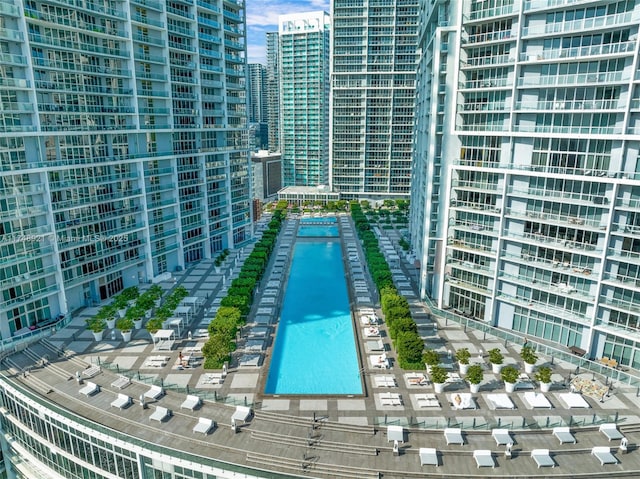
pixel 304 98
pixel 525 195
pixel 373 74
pixel 122 147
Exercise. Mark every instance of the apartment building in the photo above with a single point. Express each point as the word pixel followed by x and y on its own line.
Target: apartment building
pixel 304 98
pixel 273 92
pixel 122 146
pixel 525 196
pixel 373 74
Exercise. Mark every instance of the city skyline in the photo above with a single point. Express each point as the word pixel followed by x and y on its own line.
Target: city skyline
pixel 262 17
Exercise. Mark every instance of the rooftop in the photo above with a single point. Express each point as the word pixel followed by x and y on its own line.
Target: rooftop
pixel 326 437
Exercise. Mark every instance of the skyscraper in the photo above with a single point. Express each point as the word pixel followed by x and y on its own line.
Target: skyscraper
pixel 273 92
pixel 122 147
pixel 257 91
pixel 372 97
pixel 524 208
pixel 304 98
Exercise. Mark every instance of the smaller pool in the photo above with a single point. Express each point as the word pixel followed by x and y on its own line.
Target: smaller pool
pixel 319 220
pixel 329 231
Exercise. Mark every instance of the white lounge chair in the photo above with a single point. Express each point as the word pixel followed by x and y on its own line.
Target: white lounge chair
pixel 536 400
pixel 155 392
pixel 611 431
pixel 427 400
pixel 385 381
pixel 483 458
pixel 121 402
pixel 242 413
pixel 390 399
pixel 500 401
pixel 160 414
pixel 91 371
pixel 563 434
pixel 191 402
pixel 603 454
pixel 462 401
pixel 453 435
pixel 502 436
pixel 542 458
pixel 121 382
pixel 90 388
pixel 428 456
pixel 573 400
pixel 204 425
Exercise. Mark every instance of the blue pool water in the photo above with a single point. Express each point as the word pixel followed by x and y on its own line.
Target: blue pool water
pixel 325 219
pixel 314 350
pixel 318 231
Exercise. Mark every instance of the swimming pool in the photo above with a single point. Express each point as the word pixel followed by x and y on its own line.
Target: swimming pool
pixel 314 350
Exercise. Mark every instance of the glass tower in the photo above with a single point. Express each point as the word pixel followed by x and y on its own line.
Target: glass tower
pixel 122 146
pixel 373 74
pixel 304 98
pixel 526 188
pixel 273 92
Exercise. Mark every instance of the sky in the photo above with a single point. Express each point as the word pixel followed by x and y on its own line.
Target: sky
pixel 262 17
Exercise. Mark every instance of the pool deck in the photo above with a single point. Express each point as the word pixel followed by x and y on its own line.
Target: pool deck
pixel 325 437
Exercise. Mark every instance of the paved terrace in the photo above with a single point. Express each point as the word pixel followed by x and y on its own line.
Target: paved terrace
pixel 325 437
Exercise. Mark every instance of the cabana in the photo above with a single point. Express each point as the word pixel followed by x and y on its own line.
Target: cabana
pixel 164 339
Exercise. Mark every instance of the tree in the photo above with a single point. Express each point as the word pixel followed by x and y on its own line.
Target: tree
pixel 410 347
pixel 402 325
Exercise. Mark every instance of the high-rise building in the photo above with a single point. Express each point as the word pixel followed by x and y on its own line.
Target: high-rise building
pixel 257 93
pixel 525 194
pixel 304 98
pixel 122 147
pixel 273 92
pixel 373 75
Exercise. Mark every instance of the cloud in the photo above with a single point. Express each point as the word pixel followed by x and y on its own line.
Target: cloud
pixel 262 17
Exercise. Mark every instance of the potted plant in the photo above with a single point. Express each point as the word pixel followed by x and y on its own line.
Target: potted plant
pixel 154 324
pixel 496 358
pixel 475 377
pixel 97 325
pixel 463 355
pixel 543 376
pixel 509 375
pixel 125 325
pixel 120 304
pixel 529 357
pixel 431 358
pixel 438 376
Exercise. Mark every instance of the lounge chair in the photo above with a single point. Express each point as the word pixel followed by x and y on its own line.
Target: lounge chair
pixel 483 458
pixel 90 388
pixel 500 401
pixel 502 436
pixel 155 392
pixel 428 456
pixel 204 425
pixel 160 414
pixel 453 435
pixel 564 434
pixel 611 431
pixel 385 381
pixel 462 401
pixel 542 458
pixel 395 433
pixel 536 400
pixel 242 413
pixel 121 402
pixel 603 454
pixel 121 382
pixel 390 399
pixel 191 402
pixel 574 400
pixel 91 371
pixel 427 400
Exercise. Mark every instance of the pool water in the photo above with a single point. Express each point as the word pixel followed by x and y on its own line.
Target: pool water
pixel 314 350
pixel 318 231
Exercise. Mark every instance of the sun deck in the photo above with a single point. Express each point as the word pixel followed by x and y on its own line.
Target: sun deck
pixel 324 437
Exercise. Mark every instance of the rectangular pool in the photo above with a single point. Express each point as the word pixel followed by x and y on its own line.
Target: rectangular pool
pixel 315 349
